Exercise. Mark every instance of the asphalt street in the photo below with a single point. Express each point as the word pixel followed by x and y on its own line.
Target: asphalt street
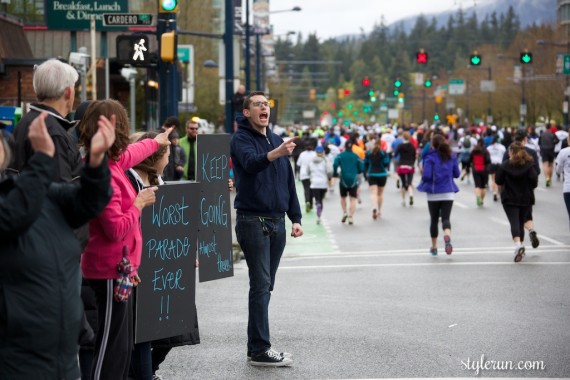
pixel 369 301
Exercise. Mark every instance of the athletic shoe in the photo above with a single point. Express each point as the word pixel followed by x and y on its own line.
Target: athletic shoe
pixel 344 217
pixel 318 220
pixel 283 354
pixel 404 203
pixel 495 197
pixel 479 201
pixel 397 183
pixel 448 246
pixel 308 207
pixel 350 221
pixel 374 214
pixel 533 239
pixel 270 358
pixel 411 200
pixel 156 377
pixel 433 251
pixel 548 182
pixel 519 253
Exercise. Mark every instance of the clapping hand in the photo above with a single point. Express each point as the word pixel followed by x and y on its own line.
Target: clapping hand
pixel 102 140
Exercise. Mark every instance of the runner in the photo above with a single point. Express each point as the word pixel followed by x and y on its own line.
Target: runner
pixel 496 152
pixel 439 169
pixel 319 171
pixel 376 165
pixel 517 179
pixel 407 153
pixel 480 162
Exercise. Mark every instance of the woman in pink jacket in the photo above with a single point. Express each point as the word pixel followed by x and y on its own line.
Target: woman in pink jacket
pixel 116 234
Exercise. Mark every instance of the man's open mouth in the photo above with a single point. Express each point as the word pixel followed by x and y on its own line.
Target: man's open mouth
pixel 263 116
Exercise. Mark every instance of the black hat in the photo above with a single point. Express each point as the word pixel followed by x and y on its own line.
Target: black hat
pixel 520 134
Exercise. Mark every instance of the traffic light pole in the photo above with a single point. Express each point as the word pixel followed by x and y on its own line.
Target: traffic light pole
pixel 167 72
pixel 229 56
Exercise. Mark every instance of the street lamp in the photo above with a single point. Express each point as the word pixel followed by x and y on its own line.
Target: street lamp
pixel 567 89
pixel 258 48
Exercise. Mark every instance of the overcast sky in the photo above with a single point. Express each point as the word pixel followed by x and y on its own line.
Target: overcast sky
pixel 330 18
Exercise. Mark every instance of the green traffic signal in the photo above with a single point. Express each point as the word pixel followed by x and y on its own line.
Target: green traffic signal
pixel 436 117
pixel 427 83
pixel 168 6
pixel 397 83
pixel 475 60
pixel 526 58
pixel 396 92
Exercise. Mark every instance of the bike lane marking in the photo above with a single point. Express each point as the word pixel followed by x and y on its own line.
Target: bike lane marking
pixel 317 238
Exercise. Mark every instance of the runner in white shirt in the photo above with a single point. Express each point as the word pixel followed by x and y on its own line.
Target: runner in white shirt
pixel 496 152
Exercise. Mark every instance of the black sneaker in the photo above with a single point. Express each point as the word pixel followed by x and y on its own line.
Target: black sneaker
pixel 533 239
pixel 519 253
pixel 283 354
pixel 270 358
pixel 411 200
pixel 344 217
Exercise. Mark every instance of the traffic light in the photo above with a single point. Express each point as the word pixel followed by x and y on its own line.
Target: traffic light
pixel 475 59
pixel 396 92
pixel 168 6
pixel 340 94
pixel 346 91
pixel 427 83
pixel 133 49
pixel 397 83
pixel 365 82
pixel 422 57
pixel 526 57
pixel 168 48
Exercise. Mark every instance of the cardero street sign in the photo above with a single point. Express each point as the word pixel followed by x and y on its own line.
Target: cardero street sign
pixel 127 19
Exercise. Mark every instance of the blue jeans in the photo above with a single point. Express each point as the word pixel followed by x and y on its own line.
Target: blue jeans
pixel 262 241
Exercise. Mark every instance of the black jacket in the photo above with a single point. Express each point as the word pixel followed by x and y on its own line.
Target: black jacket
pixel 517 183
pixel 264 188
pixel 66 152
pixel 40 306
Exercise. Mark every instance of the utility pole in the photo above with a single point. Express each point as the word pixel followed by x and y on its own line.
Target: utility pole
pixel 167 72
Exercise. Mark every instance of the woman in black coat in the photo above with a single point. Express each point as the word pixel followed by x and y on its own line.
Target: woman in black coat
pixel 517 178
pixel 40 306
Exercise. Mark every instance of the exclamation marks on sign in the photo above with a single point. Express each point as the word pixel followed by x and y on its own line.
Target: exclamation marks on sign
pixel 164 307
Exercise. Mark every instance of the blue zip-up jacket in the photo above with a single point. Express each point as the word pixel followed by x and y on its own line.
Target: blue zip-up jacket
pixel 437 175
pixel 264 188
pixel 375 165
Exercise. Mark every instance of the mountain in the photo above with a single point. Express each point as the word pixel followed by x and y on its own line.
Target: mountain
pixel 529 12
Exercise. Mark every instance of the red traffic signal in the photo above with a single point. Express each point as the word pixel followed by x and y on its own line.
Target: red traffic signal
pixel 422 57
pixel 366 82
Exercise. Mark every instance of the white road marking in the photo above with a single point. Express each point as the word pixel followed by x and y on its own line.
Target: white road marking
pixel 459 204
pixel 422 252
pixel 485 263
pixel 553 241
pixel 540 236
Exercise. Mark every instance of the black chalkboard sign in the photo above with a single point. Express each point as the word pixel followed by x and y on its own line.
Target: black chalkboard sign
pixel 166 296
pixel 215 228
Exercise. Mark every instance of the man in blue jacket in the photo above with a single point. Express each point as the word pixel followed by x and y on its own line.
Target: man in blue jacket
pixel 265 186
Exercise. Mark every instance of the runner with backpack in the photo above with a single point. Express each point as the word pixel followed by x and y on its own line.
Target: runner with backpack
pixel 480 161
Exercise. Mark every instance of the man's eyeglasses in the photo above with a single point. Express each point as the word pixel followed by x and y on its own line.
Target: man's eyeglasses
pixel 259 104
